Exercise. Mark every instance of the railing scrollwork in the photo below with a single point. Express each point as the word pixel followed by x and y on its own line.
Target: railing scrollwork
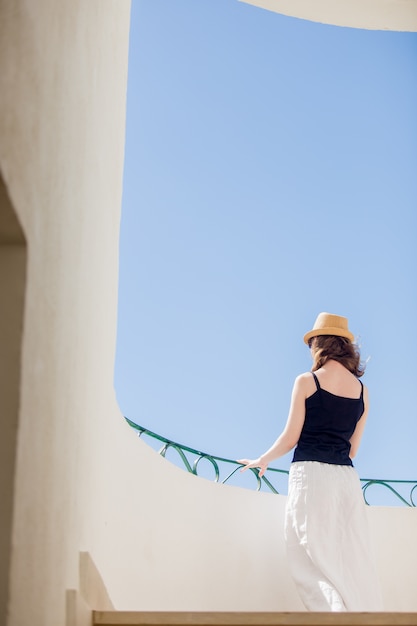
pixel 401 492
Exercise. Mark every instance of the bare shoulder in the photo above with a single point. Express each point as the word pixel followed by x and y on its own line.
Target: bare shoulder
pixel 303 378
pixel 304 383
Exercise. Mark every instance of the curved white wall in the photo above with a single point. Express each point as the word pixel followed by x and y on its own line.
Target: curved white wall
pixel 162 539
pixel 190 544
pixel 368 14
pixel 63 76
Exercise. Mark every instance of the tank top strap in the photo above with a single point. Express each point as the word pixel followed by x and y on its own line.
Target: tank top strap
pixel 361 396
pixel 316 381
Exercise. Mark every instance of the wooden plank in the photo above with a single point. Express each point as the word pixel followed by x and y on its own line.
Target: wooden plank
pixel 174 618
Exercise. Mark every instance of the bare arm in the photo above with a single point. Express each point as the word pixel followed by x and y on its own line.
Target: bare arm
pixel 355 440
pixel 291 433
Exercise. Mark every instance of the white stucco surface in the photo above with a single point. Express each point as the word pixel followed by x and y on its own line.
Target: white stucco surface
pixel 63 76
pixel 196 545
pixel 161 539
pixel 398 15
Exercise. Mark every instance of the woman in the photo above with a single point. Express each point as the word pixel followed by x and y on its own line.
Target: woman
pixel 326 529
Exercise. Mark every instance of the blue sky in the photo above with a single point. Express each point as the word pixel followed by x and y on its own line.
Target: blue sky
pixel 270 174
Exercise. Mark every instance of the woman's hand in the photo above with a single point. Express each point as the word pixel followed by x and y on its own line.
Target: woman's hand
pixel 254 463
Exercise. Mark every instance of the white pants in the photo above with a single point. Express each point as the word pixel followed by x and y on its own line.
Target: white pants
pixel 327 537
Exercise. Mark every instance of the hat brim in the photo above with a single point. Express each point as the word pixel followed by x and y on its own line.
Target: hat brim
pixel 337 332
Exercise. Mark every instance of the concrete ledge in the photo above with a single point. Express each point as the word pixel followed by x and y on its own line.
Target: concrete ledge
pixel 162 618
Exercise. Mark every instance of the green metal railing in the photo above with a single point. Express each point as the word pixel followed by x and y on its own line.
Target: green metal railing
pixel 224 471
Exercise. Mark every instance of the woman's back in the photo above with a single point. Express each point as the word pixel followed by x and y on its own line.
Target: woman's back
pixel 325 522
pixel 334 404
pixel 336 379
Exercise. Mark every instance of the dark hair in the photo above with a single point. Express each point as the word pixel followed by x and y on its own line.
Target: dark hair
pixel 328 347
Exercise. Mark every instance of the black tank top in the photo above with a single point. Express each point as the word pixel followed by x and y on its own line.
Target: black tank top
pixel 328 426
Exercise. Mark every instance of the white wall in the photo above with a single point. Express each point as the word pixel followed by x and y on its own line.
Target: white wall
pixel 395 541
pixel 63 76
pixel 161 539
pixel 197 545
pixel 369 14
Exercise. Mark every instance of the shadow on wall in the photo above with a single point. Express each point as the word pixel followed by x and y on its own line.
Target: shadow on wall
pixel 12 295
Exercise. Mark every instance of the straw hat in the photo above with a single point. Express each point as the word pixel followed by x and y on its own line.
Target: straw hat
pixel 328 324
